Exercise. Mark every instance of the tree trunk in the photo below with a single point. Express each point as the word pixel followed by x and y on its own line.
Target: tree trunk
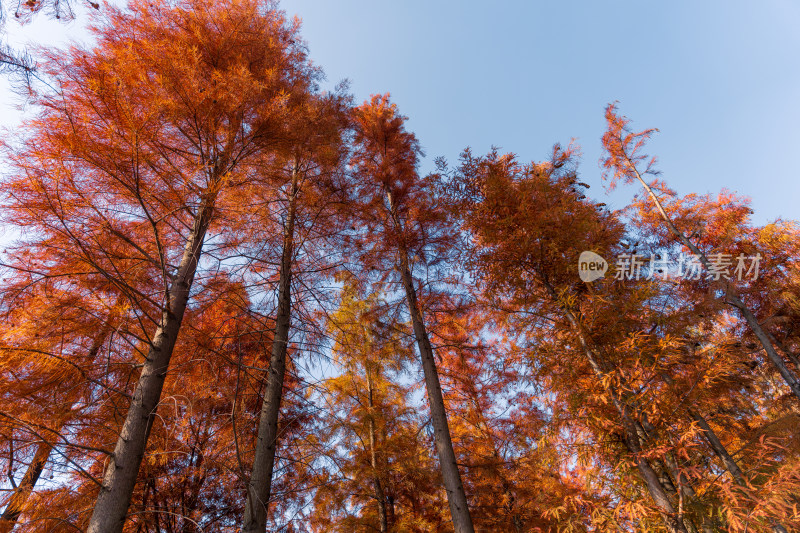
pixel 462 521
pixel 722 453
pixel 390 506
pixel 454 488
pixel 260 486
pixel 120 476
pixel 16 504
pixel 675 482
pixel 380 497
pixel 791 356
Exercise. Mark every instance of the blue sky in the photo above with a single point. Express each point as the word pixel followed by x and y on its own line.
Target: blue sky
pixel 720 79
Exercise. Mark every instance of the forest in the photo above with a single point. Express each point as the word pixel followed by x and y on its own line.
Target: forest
pixel 232 301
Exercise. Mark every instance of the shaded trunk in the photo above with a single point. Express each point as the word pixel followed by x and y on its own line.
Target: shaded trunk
pixel 390 507
pixel 788 376
pixel 732 297
pixel 719 449
pixel 122 470
pixel 674 480
pixel 791 356
pixel 711 437
pixel 456 497
pixel 685 491
pixel 380 497
pixel 722 453
pixel 727 460
pixel 259 487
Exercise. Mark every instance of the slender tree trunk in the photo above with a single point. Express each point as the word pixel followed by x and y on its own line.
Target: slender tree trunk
pixel 16 504
pixel 675 482
pixel 454 488
pixel 732 296
pixel 684 490
pixel 791 356
pixel 719 449
pixel 456 497
pixel 120 476
pixel 380 497
pixel 389 505
pixel 193 488
pixel 727 460
pixel 260 486
pixel 722 453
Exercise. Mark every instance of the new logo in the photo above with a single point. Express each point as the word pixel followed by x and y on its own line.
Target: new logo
pixel 591 266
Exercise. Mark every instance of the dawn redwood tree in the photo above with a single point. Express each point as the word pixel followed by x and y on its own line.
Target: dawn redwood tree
pixel 708 360
pixel 405 232
pixel 367 347
pixel 529 223
pixel 141 142
pixel 625 161
pixel 296 189
pixel 373 474
pixel 632 336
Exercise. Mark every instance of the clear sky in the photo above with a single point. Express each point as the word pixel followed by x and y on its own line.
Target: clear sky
pixel 720 79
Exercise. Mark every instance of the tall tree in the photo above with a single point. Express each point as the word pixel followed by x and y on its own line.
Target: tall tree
pixel 625 161
pixel 373 472
pixel 306 180
pixel 406 231
pixel 519 215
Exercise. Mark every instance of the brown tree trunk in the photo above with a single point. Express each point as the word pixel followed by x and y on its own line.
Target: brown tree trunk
pixel 454 488
pixel 16 504
pixel 727 460
pixel 722 453
pixel 260 486
pixel 675 482
pixel 380 497
pixel 120 476
pixel 456 497
pixel 791 356
pixel 390 506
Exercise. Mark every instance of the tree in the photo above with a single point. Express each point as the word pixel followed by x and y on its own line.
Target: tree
pixel 518 216
pixel 373 474
pixel 307 177
pixel 407 231
pixel 630 336
pixel 623 162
